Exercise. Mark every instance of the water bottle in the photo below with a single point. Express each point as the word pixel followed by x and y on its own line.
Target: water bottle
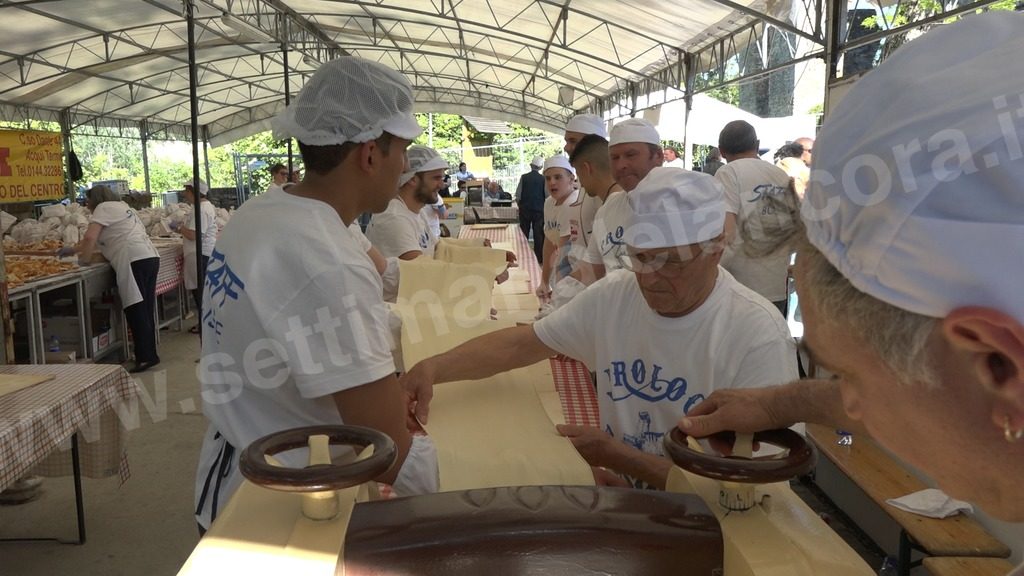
pixel 889 567
pixel 54 344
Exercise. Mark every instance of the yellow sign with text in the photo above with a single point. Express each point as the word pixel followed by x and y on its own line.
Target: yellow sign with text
pixel 31 166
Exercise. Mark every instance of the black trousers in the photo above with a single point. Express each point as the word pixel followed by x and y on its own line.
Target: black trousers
pixel 533 220
pixel 197 293
pixel 141 316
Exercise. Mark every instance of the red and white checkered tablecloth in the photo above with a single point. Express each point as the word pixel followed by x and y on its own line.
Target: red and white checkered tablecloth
pixel 36 421
pixel 576 391
pixel 513 235
pixel 172 264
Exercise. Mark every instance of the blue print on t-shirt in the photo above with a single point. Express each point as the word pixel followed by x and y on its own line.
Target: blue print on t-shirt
pixel 763 190
pixel 424 240
pixel 633 381
pixel 221 282
pixel 613 240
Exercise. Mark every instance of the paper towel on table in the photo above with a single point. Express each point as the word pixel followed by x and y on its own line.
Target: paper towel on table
pixel 932 503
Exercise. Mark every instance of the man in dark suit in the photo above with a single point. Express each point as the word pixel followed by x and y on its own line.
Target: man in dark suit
pixel 530 195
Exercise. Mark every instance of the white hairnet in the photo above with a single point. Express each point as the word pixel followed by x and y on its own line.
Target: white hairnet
pixel 421 159
pixel 587 124
pixel 349 99
pixel 634 130
pixel 915 190
pixel 559 161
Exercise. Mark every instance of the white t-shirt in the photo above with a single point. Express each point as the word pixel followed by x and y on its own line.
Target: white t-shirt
pixel 361 239
pixel 581 224
pixel 432 217
pixel 208 217
pixel 608 240
pixel 398 230
pixel 652 369
pixel 292 313
pixel 123 236
pixel 747 182
pixel 556 218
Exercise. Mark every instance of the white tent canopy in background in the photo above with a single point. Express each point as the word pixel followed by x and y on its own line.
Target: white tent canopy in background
pixel 708 116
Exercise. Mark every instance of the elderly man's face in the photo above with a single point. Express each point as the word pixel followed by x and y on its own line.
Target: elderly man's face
pixel 632 161
pixel 946 431
pixel 674 281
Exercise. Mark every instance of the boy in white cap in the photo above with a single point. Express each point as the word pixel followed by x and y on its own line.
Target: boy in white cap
pixel 750 185
pixel 401 231
pixel 660 336
pixel 583 211
pixel 295 331
pixel 558 178
pixel 909 267
pixel 530 195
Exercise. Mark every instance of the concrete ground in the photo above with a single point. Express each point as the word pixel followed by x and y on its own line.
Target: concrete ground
pixel 146 527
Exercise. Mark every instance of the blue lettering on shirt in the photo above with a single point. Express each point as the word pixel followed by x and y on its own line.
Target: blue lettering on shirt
pixel 635 382
pixel 613 240
pixel 221 282
pixel 425 240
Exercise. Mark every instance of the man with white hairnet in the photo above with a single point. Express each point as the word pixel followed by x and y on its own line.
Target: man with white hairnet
pixel 295 331
pixel 661 335
pixel 583 211
pixel 401 231
pixel 910 267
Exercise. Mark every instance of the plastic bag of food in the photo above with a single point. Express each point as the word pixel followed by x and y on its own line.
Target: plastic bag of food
pixel 53 211
pixel 71 235
pixel 6 221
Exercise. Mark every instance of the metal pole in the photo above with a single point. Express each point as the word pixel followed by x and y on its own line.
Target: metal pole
pixel 206 157
pixel 287 89
pixel 688 82
pixel 190 9
pixel 835 23
pixel 144 137
pixel 65 134
pixel 430 129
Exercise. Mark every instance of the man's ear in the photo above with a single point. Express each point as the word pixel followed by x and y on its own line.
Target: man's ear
pixel 995 341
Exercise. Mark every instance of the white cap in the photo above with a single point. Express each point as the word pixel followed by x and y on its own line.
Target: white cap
pixel 634 130
pixel 349 99
pixel 421 159
pixel 587 124
pixel 537 161
pixel 203 188
pixel 674 207
pixel 558 161
pixel 918 202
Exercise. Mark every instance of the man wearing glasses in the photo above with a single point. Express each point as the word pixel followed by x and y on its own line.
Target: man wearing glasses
pixel 661 334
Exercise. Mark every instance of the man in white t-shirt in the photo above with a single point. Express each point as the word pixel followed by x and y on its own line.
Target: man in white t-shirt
pixel 558 180
pixel 295 331
pixel 583 211
pixel 400 231
pixel 672 158
pixel 750 183
pixel 669 331
pixel 208 235
pixel 633 151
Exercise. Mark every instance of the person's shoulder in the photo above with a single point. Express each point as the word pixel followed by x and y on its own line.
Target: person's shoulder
pixel 749 312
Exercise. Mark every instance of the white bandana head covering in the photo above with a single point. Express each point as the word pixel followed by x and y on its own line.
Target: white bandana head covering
pixel 587 124
pixel 920 202
pixel 349 99
pixel 674 207
pixel 421 159
pixel 634 130
pixel 559 161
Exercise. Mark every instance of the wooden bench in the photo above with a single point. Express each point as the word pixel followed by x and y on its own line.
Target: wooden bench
pixel 881 478
pixel 967 566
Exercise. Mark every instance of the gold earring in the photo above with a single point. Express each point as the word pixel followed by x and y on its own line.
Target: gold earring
pixel 1011 436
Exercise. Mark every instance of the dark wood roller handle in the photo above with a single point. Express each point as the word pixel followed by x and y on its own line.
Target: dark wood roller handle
pixel 254 466
pixel 759 470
